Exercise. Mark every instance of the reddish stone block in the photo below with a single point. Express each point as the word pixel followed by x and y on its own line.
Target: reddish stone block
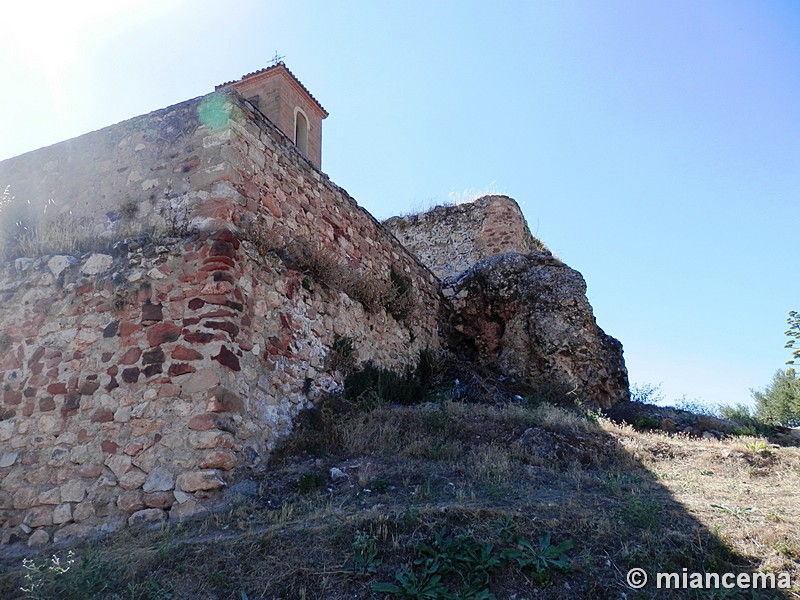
pixel 27 410
pixel 37 368
pixel 159 499
pixel 221 399
pixel 163 333
pixel 203 422
pixel 87 388
pixel 198 337
pixel 225 301
pixel 223 276
pixel 225 326
pixel 152 312
pixel 217 262
pixel 133 449
pixel 176 369
pixel 169 390
pixel 217 287
pixel 47 404
pixel 227 358
pixel 38 354
pixel 108 446
pixel 226 235
pixel 112 370
pixel 57 388
pixel 151 370
pixel 111 329
pixel 222 248
pixel 102 415
pixel 12 397
pixel 128 328
pixel 196 303
pixel 130 375
pixel 131 356
pixel 153 357
pixel 72 402
pixel 191 321
pixel 112 384
pixel 219 459
pixel 106 356
pixel 184 353
pixel 271 205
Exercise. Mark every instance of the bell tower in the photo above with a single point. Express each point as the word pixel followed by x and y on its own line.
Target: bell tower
pixel 280 97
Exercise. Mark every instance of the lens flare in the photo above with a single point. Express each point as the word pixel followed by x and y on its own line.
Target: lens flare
pixel 213 112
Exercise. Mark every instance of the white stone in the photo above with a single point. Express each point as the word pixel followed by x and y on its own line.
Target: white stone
pixel 8 459
pixel 73 491
pixel 159 480
pixel 96 264
pixel 62 513
pixel 6 430
pixel 337 474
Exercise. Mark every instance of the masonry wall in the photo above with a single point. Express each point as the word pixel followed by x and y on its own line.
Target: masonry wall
pixel 450 239
pixel 139 381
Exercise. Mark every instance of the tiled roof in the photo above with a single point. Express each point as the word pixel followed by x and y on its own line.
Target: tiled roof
pixel 278 65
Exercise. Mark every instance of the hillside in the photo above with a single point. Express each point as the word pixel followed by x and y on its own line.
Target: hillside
pixel 462 500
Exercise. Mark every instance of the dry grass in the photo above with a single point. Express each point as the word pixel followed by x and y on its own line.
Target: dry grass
pixel 623 497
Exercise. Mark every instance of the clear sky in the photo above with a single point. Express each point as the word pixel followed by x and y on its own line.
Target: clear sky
pixel 653 146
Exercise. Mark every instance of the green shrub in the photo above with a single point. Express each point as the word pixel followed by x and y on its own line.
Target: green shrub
pixel 342 356
pixel 372 384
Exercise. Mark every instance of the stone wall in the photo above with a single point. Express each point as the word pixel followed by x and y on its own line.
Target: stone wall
pixel 450 239
pixel 137 382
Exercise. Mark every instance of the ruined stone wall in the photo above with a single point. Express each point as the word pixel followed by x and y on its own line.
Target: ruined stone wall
pixel 450 239
pixel 121 180
pixel 138 382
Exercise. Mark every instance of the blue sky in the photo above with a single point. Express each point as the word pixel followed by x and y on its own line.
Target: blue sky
pixel 654 146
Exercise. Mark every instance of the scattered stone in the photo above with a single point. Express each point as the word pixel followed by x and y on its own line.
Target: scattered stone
pixel 147 515
pixel 58 264
pixel 337 474
pixel 96 264
pixel 38 538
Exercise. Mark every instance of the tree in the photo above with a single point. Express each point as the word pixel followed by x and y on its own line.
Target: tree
pixel 794 333
pixel 779 402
